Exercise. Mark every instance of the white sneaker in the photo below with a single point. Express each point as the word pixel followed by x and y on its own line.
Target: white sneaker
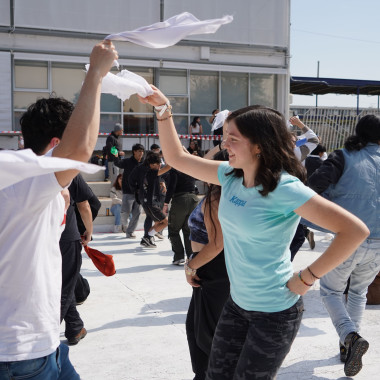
pixel 117 228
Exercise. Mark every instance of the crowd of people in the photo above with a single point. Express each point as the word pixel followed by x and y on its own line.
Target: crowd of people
pixel 238 241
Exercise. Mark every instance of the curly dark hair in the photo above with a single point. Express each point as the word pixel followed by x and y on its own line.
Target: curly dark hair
pixel 44 120
pixel 267 128
pixel 367 130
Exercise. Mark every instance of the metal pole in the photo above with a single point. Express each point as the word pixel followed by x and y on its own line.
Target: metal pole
pixel 357 101
pixel 316 97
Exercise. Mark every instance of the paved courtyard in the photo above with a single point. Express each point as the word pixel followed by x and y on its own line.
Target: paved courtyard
pixel 136 320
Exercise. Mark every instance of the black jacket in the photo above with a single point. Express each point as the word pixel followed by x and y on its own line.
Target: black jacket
pixel 144 183
pixel 128 164
pixel 112 141
pixel 179 183
pixel 328 173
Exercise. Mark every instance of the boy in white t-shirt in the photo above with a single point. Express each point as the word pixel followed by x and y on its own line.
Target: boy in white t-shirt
pixel 31 222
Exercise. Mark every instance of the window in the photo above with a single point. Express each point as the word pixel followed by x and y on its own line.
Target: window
pixel 31 74
pixel 263 89
pixel 234 91
pixel 67 79
pixel 203 92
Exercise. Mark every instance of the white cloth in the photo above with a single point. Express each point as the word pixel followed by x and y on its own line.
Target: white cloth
pixel 124 84
pixel 15 166
pixel 219 120
pixel 169 32
pixel 31 217
pixel 196 129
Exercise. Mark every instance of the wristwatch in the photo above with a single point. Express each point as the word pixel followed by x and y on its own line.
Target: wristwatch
pixel 165 107
pixel 190 271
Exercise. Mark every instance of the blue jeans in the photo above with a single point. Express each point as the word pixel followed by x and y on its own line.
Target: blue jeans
pixel 128 206
pixel 361 267
pixel 55 366
pixel 115 209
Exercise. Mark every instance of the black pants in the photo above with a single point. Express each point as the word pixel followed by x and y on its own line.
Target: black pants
pixel 205 308
pixel 251 344
pixel 71 263
pixel 298 240
pixel 217 132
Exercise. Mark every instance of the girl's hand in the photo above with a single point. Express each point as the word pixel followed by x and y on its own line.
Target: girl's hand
pixel 192 280
pixel 157 99
pixel 296 286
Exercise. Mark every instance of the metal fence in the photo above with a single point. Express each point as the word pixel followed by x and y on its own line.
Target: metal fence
pixel 332 125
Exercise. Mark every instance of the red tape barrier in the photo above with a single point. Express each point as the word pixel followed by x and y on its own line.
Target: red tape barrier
pixel 194 137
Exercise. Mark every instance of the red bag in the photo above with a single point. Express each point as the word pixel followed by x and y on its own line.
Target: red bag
pixel 101 260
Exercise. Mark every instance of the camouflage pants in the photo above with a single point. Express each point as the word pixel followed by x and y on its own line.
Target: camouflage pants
pixel 251 345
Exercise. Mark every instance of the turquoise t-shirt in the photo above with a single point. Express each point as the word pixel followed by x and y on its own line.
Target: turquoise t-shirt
pixel 257 233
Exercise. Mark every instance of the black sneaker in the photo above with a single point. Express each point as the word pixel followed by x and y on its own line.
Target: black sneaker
pixel 342 352
pixel 151 242
pixel 356 348
pixel 146 243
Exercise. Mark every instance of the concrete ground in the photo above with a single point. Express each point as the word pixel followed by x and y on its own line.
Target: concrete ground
pixel 136 320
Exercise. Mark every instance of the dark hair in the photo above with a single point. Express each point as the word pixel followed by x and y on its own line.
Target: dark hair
pixel 216 109
pixel 367 130
pixel 319 149
pixel 267 128
pixel 137 147
pixel 152 158
pixel 154 146
pixel 116 183
pixel 194 122
pixel 43 120
pixel 214 191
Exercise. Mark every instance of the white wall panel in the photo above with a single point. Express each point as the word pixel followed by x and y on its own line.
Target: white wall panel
pixel 6 92
pixel 88 16
pixel 5 12
pixel 259 22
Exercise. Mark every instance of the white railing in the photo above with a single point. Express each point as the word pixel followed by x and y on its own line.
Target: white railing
pixel 332 125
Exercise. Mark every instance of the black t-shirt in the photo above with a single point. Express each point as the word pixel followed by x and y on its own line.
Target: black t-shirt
pixel 79 192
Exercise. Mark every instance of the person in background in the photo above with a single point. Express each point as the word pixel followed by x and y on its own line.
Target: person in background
pixel 314 160
pixel 116 195
pixel 196 129
pixel 114 150
pixel 350 177
pixel 129 206
pixel 194 148
pixel 216 130
pixel 261 203
pixel 208 277
pixel 144 182
pixel 71 250
pixel 181 192
pixel 303 145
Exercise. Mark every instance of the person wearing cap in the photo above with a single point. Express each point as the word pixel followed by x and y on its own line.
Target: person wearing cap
pixel 114 149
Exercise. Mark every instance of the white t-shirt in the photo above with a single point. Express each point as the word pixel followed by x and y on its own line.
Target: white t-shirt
pixel 31 217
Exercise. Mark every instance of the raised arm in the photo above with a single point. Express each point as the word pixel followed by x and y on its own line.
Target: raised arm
pixel 194 166
pixel 81 133
pixel 350 233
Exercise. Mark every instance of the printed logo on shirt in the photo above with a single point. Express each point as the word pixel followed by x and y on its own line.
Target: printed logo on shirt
pixel 237 201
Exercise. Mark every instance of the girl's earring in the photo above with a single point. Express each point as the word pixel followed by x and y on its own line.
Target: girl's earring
pixel 258 155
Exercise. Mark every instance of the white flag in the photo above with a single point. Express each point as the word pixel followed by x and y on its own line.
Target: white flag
pixel 169 32
pixel 15 166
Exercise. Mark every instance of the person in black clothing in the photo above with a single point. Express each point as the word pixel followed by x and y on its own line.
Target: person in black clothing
pixel 144 182
pixel 71 247
pixel 314 160
pixel 181 192
pixel 113 142
pixel 129 204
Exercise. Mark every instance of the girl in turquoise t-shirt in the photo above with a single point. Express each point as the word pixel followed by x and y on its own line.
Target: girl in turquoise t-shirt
pixel 261 204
